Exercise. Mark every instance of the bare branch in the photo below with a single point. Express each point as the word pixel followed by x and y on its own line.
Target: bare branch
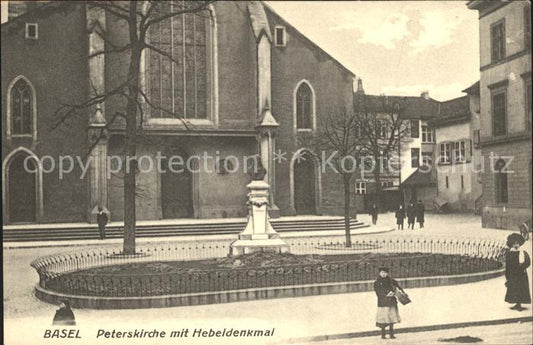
pixel 111 51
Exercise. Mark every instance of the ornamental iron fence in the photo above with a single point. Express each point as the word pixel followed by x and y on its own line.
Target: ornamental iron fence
pixel 74 273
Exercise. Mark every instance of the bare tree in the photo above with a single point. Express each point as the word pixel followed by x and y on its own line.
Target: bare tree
pixel 337 138
pixel 382 129
pixel 138 18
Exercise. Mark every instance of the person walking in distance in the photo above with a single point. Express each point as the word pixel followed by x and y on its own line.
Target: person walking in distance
pixel 420 213
pixel 387 314
pixel 411 214
pixel 400 216
pixel 101 219
pixel 374 213
pixel 517 282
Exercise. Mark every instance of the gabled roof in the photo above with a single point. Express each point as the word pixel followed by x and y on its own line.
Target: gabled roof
pixel 472 89
pixel 413 107
pixel 312 45
pixel 454 111
pixel 420 178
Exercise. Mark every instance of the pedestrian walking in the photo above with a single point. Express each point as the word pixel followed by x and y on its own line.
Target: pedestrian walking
pixel 420 213
pixel 374 213
pixel 411 215
pixel 400 216
pixel 64 316
pixel 387 314
pixel 517 282
pixel 101 219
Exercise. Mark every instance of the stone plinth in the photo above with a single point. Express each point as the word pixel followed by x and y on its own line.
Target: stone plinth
pixel 259 235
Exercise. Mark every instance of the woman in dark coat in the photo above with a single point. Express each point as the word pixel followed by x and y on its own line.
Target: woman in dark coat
pixel 387 314
pixel 400 216
pixel 516 263
pixel 411 214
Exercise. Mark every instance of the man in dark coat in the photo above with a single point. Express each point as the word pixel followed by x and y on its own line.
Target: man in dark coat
pixel 411 214
pixel 400 216
pixel 374 213
pixel 516 263
pixel 64 315
pixel 420 212
pixel 101 219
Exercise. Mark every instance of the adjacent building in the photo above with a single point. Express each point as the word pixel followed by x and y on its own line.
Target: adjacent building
pixel 505 112
pixel 458 155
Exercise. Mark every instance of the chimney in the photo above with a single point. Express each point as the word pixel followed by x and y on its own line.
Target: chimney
pixel 425 95
pixel 360 86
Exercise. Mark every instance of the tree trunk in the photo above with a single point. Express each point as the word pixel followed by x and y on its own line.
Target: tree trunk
pixel 377 189
pixel 130 138
pixel 346 181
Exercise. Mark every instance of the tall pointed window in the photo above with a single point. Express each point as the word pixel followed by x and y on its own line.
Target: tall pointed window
pixel 21 108
pixel 304 107
pixel 178 74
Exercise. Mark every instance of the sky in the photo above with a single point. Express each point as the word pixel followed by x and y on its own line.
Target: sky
pixel 396 47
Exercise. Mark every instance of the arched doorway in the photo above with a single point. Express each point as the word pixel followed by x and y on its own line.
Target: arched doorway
pixel 176 189
pixel 305 184
pixel 22 183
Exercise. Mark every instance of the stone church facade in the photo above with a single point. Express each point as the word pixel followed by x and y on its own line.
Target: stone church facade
pixel 243 82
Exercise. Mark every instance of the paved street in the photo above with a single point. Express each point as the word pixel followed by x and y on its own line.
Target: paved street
pixel 293 317
pixel 511 334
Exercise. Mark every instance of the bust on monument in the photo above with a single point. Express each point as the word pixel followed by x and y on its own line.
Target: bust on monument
pixel 257 171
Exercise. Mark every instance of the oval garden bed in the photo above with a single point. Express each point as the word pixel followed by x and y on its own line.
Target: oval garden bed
pixel 258 270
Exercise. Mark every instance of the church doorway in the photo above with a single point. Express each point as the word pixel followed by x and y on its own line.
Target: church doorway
pixel 22 189
pixel 304 185
pixel 176 191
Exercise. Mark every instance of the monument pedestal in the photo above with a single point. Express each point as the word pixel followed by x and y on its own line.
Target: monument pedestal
pixel 258 235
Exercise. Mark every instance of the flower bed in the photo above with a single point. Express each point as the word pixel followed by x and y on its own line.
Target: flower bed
pixel 259 270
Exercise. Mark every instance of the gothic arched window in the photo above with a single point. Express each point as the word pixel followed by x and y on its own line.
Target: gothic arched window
pixel 304 107
pixel 21 108
pixel 178 73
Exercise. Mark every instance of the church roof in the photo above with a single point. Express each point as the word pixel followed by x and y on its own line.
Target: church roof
pixel 271 14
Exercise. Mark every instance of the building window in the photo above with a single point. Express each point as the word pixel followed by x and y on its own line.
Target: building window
pixel 415 132
pixel 477 138
pixel 360 188
pixel 304 107
pixel 447 182
pixel 32 31
pixel 497 35
pixel 462 182
pixel 445 153
pixel 415 158
pixel 383 129
pixel 280 39
pixel 499 114
pixel 459 151
pixel 427 134
pixel 178 83
pixel 501 182
pixel 22 103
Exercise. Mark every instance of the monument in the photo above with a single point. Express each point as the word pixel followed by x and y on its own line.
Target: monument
pixel 258 235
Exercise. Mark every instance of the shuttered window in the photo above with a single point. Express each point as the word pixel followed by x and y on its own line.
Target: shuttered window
pixel 499 114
